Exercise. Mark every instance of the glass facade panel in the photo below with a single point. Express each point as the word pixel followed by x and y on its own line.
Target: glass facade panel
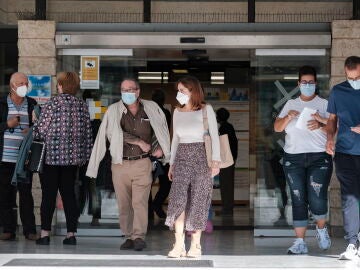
pixel 253 90
pixel 276 82
pixel 226 84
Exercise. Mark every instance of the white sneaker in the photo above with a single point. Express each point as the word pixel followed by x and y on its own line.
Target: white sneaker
pixel 299 247
pixel 323 238
pixel 349 254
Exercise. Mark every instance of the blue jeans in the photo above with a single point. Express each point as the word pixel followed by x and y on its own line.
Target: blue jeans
pixel 308 176
pixel 348 173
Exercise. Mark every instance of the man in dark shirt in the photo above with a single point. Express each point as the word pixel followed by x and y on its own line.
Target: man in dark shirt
pixel 227 175
pixel 344 109
pixel 164 183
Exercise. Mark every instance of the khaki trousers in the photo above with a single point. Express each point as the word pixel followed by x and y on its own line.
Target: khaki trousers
pixel 132 183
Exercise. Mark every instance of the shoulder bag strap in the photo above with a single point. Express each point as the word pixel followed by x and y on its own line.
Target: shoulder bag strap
pixel 205 120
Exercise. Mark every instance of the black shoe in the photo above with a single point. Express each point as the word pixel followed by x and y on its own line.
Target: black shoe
pixel 159 212
pixel 44 241
pixel 139 244
pixel 32 236
pixel 7 236
pixel 128 244
pixel 70 241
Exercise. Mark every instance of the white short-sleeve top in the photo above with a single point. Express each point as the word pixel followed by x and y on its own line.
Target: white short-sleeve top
pixel 297 140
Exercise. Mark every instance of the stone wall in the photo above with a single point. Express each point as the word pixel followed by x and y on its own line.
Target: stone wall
pixel 345 42
pixel 37 56
pixel 3 11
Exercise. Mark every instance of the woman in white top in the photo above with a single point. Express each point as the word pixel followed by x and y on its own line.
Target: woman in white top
pixel 191 190
pixel 307 166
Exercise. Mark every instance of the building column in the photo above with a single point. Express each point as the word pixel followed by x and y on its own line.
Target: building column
pixel 345 43
pixel 37 56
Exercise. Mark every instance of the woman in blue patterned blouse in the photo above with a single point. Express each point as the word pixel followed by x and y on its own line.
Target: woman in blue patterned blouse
pixel 64 126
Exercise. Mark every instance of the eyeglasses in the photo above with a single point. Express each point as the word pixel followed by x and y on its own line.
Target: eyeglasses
pixel 129 90
pixel 307 82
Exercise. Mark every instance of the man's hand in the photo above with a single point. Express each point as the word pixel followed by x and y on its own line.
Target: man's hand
pixel 144 146
pixel 313 124
pixel 318 118
pixel 25 131
pixel 356 129
pixel 34 118
pixel 13 122
pixel 215 171
pixel 170 173
pixel 330 147
pixel 158 153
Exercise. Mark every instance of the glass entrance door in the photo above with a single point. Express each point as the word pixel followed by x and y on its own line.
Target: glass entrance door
pixel 226 78
pixel 276 82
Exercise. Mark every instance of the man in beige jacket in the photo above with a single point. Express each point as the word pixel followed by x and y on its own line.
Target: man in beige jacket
pixel 132 126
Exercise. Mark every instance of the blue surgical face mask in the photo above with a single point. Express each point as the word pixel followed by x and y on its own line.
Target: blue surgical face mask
pixel 355 84
pixel 128 98
pixel 307 89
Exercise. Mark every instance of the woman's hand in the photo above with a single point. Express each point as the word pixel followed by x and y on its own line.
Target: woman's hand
pixel 292 114
pixel 170 173
pixel 215 168
pixel 281 123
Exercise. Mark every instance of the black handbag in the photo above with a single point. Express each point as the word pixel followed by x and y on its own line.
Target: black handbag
pixel 36 156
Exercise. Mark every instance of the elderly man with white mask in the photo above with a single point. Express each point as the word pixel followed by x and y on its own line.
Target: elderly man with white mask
pixel 15 120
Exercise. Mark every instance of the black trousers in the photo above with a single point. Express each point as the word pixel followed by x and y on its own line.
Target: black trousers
pixel 8 202
pixel 89 191
pixel 60 178
pixel 164 188
pixel 227 188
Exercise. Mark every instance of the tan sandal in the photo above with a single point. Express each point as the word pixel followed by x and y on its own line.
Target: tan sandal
pixel 194 251
pixel 179 246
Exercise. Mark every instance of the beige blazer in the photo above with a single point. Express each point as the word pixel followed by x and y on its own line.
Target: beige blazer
pixel 110 129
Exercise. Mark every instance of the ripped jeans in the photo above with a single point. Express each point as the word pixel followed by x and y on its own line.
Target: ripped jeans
pixel 308 176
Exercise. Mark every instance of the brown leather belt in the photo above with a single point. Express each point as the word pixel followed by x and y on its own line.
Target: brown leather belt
pixel 137 157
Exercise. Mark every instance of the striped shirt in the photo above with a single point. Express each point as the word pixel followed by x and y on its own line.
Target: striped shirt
pixel 13 137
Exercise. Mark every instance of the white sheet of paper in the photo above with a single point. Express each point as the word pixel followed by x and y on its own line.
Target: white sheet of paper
pixel 304 117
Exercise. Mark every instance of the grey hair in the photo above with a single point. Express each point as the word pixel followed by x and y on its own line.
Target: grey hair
pixel 17 74
pixel 131 80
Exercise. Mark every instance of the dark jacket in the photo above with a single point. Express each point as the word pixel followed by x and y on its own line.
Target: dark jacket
pixel 227 128
pixel 4 109
pixel 21 174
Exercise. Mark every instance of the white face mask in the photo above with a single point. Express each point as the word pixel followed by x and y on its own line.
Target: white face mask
pixel 182 98
pixel 22 91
